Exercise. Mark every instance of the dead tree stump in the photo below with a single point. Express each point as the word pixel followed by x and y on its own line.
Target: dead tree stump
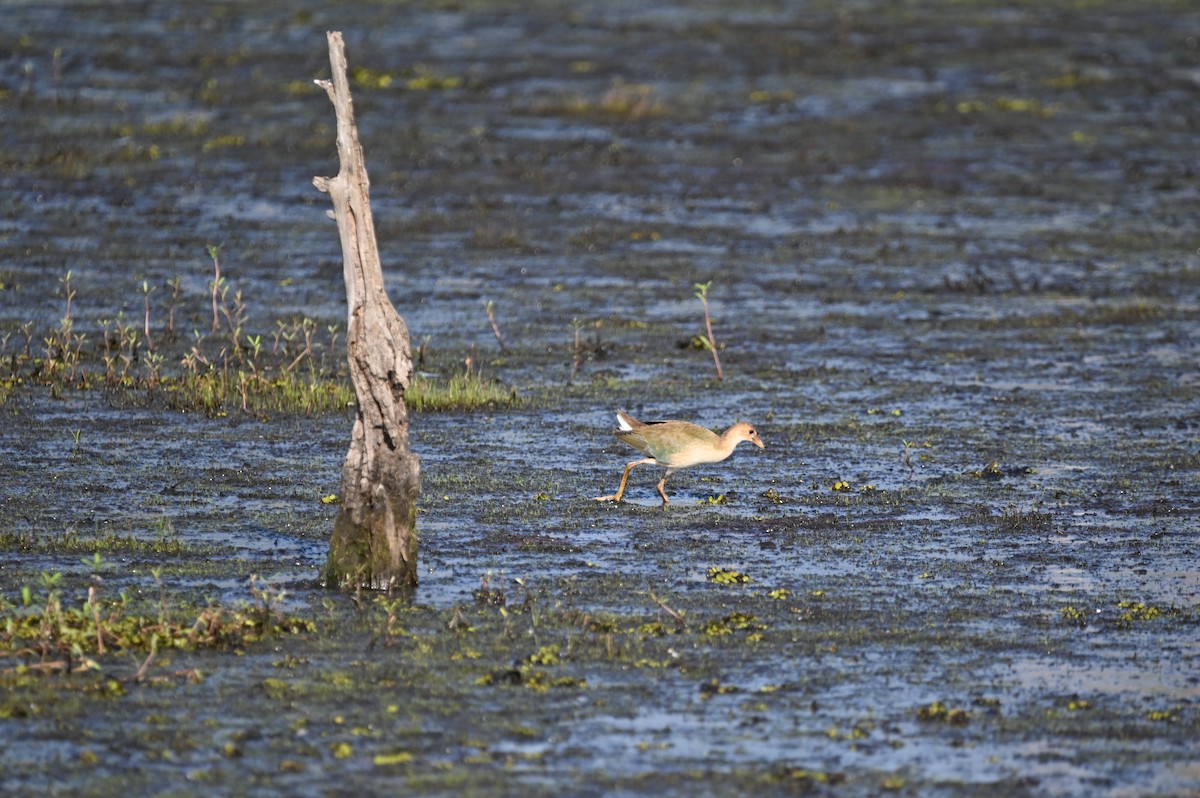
pixel 374 543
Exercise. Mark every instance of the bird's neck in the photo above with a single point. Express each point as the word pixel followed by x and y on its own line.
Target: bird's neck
pixel 729 442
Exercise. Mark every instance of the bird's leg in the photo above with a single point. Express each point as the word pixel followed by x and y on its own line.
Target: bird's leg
pixel 663 482
pixel 616 497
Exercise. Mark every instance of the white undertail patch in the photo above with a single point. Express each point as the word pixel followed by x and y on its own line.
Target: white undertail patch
pixel 623 424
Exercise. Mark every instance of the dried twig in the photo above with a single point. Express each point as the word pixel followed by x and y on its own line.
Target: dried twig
pixel 141 672
pixel 95 605
pixel 674 613
pixel 577 353
pixel 491 314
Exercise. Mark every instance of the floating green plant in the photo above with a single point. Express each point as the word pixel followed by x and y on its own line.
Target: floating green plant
pixel 219 142
pixel 424 79
pixel 733 622
pixel 396 758
pixel 1137 612
pixel 546 655
pixel 939 712
pixel 807 780
pixel 1073 615
pixel 725 576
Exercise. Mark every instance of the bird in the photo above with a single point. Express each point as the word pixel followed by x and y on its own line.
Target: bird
pixel 675 445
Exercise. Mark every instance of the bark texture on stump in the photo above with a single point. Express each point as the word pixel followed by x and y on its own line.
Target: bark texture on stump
pixel 374 543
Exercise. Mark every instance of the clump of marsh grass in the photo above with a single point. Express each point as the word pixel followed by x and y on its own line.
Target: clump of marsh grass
pixel 45 631
pixel 298 366
pixel 621 101
pixel 468 390
pixel 224 368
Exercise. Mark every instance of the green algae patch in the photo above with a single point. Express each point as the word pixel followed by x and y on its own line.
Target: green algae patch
pixel 725 576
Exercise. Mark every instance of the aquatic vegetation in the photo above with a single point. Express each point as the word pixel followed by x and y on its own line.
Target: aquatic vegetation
pixel 42 631
pixel 709 341
pixel 242 371
pixel 464 391
pixel 417 78
pixel 216 392
pixel 1128 615
pixel 860 257
pixel 940 713
pixel 1133 612
pixel 226 140
pixel 1074 615
pixel 490 308
pixel 630 100
pixel 425 80
pixel 489 237
pixel 296 367
pixel 71 541
pixel 395 758
pixel 773 496
pixel 486 594
pixel 622 101
pixel 725 576
pixel 1016 105
pixel 713 687
pixel 734 622
pixel 530 672
pixel 807 779
pixel 546 655
pixel 1013 519
pixel 766 96
pixel 367 78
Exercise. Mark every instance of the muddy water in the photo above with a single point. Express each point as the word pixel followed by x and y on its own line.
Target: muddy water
pixel 941 237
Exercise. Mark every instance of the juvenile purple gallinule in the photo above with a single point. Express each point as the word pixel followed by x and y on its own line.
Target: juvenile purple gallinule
pixel 676 445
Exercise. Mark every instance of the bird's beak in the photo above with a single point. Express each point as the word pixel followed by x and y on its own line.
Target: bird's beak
pixel 759 443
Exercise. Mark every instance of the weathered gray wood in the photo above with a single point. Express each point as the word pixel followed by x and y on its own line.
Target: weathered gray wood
pixel 374 543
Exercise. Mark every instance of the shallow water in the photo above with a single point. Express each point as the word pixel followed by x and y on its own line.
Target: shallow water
pixel 939 237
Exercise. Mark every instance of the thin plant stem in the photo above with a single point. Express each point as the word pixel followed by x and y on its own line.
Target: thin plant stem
pixel 491 314
pixel 577 353
pixel 711 341
pixel 146 289
pixel 213 252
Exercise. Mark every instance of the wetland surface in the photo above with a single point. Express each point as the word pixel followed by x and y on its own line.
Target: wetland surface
pixel 956 284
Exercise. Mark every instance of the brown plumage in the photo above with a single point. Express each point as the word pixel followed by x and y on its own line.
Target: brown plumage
pixel 676 445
